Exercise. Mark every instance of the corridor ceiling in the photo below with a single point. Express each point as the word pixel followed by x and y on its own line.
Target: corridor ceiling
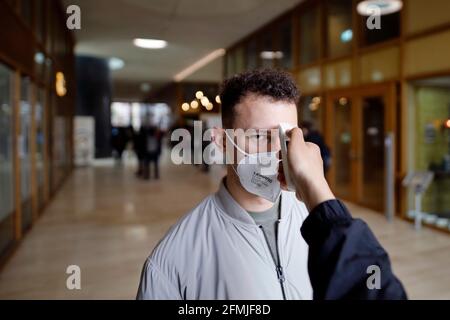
pixel 192 28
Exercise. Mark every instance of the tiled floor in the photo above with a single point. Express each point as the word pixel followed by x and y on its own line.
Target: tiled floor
pixel 107 222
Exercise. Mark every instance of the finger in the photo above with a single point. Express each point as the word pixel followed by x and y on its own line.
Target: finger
pixel 296 136
pixel 313 146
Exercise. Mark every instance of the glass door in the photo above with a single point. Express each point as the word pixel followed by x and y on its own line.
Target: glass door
pixel 24 152
pixel 358 121
pixel 342 145
pixel 372 133
pixel 7 182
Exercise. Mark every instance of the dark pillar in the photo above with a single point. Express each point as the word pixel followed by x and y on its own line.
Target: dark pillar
pixel 94 99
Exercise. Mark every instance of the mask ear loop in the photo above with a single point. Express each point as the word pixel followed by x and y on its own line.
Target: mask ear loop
pixel 234 144
pixel 238 148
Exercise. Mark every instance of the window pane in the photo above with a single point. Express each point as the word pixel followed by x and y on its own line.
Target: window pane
pixel 309 35
pixel 26 8
pixel 230 64
pixel 59 134
pixel 252 55
pixel 286 45
pixel 342 138
pixel 7 206
pixel 24 150
pixel 390 29
pixel 267 46
pixel 40 142
pixel 239 63
pixel 339 28
pixel 430 134
pixel 311 110
pixel 50 30
pixel 40 19
pixel 6 145
pixel 120 114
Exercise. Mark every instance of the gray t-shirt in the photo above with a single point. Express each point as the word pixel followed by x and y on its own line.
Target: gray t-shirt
pixel 268 220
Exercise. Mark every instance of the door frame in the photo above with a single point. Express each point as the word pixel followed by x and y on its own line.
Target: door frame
pixel 356 94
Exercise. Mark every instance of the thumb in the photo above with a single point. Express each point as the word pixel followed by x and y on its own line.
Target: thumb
pixel 296 136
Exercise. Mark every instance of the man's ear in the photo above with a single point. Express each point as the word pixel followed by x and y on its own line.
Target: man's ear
pixel 219 138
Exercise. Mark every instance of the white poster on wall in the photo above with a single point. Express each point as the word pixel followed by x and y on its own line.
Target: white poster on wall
pixel 84 140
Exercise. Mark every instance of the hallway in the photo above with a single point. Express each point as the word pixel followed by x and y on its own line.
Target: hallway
pixel 107 222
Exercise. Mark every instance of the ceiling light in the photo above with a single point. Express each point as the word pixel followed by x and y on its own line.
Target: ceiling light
pixel 204 101
pixel 145 87
pixel 313 106
pixel 185 106
pixel 347 35
pixel 316 100
pixel 382 7
pixel 150 43
pixel 271 55
pixel 199 94
pixel 116 64
pixel 343 101
pixel 39 58
pixel 194 104
pixel 209 106
pixel 199 64
pixel 218 100
pixel 60 84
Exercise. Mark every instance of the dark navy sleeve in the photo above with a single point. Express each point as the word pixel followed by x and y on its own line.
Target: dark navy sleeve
pixel 345 257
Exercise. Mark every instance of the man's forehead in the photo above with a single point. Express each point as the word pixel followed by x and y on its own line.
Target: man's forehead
pixel 252 98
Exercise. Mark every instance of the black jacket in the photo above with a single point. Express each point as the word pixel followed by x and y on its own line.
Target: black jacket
pixel 341 253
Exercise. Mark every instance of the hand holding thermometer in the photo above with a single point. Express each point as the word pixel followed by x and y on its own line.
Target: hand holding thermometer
pixel 284 140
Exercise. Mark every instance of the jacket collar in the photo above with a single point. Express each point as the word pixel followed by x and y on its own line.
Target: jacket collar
pixel 233 209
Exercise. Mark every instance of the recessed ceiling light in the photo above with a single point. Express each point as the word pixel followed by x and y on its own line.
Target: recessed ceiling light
pixel 145 87
pixel 382 7
pixel 271 55
pixel 185 106
pixel 194 104
pixel 199 94
pixel 150 43
pixel 116 63
pixel 204 101
pixel 347 35
pixel 39 58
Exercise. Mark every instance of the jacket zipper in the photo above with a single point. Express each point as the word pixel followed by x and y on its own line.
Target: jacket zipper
pixel 278 267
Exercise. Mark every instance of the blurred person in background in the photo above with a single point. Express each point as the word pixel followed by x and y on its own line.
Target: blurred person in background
pixel 312 135
pixel 139 150
pixel 119 142
pixel 152 153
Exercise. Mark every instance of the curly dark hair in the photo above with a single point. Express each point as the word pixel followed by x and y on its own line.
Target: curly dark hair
pixel 272 83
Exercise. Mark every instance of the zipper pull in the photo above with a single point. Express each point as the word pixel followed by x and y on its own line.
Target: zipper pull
pixel 280 273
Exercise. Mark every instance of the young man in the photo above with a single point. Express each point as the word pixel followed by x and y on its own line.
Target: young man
pixel 243 242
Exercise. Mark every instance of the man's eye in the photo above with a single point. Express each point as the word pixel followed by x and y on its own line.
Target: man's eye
pixel 261 136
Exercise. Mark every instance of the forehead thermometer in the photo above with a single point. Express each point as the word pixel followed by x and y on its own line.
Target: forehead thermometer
pixel 284 140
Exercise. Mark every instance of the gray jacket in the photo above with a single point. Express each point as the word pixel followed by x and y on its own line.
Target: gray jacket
pixel 217 251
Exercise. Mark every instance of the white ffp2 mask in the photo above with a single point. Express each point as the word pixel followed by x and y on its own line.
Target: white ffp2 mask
pixel 258 173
